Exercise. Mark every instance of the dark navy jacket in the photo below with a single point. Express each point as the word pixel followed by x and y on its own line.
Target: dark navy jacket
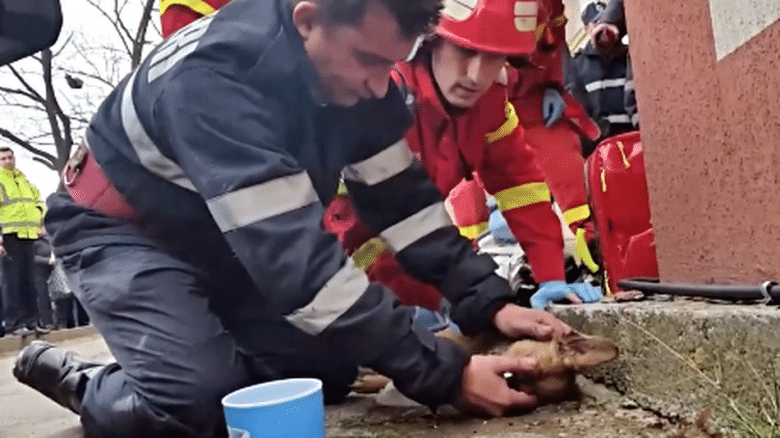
pixel 221 141
pixel 598 80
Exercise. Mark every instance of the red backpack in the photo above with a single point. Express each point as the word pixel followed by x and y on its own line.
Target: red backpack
pixel 620 206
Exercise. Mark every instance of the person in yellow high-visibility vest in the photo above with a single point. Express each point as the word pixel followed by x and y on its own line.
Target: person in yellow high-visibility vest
pixel 21 213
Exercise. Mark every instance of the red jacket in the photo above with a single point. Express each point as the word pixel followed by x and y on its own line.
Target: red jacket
pixel 175 14
pixel 527 84
pixel 485 139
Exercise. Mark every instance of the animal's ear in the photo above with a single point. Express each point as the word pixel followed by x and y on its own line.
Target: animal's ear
pixel 583 352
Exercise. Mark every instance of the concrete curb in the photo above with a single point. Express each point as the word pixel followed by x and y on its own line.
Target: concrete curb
pixel 678 357
pixel 10 345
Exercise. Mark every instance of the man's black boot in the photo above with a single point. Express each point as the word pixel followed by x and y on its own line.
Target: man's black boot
pixel 56 373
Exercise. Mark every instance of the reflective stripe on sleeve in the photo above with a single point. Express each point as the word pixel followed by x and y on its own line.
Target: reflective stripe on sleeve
pixel 340 292
pixel 419 225
pixel 148 153
pixel 368 253
pixel 618 118
pixel 576 214
pixel 523 195
pixel 605 83
pixel 507 127
pixel 382 166
pixel 261 201
pixel 471 232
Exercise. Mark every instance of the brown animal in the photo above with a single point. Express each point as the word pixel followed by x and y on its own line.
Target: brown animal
pixel 559 360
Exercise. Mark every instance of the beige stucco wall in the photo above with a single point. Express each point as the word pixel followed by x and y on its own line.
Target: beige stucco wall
pixel 707 75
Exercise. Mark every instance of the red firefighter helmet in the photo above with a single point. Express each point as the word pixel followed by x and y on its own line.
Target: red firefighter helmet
pixel 498 26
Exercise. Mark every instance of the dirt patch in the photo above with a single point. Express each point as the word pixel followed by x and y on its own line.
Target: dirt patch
pixel 601 413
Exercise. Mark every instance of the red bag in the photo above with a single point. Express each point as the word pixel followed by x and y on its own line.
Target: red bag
pixel 620 206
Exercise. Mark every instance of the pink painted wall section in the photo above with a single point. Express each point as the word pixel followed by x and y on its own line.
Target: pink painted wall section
pixel 711 135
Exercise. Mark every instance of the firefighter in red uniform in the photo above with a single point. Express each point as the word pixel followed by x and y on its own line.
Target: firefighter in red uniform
pixel 175 14
pixel 554 121
pixel 464 125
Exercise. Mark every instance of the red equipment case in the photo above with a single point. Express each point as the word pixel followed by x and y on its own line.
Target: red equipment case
pixel 620 206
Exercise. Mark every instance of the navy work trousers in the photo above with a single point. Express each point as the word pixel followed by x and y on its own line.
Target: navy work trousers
pixel 20 298
pixel 182 340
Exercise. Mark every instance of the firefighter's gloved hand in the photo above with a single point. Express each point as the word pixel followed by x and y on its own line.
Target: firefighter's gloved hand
pixel 499 228
pixel 559 290
pixel 552 106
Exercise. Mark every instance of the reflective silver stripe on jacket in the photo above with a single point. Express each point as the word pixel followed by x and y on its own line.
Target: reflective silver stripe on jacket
pixel 20 224
pixel 384 165
pixel 176 47
pixel 261 201
pixel 419 225
pixel 618 118
pixel 148 153
pixel 605 83
pixel 340 292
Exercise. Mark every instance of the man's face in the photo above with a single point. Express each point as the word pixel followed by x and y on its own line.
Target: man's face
pixel 464 75
pixel 7 160
pixel 353 61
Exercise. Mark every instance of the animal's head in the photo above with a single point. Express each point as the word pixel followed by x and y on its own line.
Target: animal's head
pixel 559 361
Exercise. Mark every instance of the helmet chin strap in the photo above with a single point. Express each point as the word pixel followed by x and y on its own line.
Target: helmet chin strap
pixel 417 43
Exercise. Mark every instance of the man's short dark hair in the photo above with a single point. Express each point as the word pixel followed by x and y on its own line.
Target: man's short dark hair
pixel 414 17
pixel 6 149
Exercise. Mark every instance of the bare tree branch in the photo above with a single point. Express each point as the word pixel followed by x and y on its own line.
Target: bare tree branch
pixel 50 164
pixel 22 93
pixel 29 107
pixel 140 36
pixel 87 75
pixel 26 145
pixel 26 84
pixel 114 23
pixel 51 117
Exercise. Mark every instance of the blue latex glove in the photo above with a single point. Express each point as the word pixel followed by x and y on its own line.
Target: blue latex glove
pixel 499 228
pixel 558 290
pixel 552 106
pixel 432 321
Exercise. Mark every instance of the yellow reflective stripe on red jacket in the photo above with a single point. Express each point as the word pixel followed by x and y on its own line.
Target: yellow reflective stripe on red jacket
pixel 523 195
pixel 507 127
pixel 576 214
pixel 558 21
pixel 369 253
pixel 341 190
pixel 471 232
pixel 198 6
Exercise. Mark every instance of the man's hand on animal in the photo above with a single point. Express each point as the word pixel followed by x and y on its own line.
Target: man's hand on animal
pixel 517 322
pixel 577 293
pixel 485 390
pixel 552 106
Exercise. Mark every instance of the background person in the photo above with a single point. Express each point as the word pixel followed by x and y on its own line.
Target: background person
pixel 21 211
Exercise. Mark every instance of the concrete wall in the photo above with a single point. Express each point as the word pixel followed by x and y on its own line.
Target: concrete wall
pixel 707 75
pixel 572 10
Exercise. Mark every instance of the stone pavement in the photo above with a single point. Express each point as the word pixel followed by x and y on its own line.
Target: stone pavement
pixel 678 357
pixel 26 413
pixel 602 413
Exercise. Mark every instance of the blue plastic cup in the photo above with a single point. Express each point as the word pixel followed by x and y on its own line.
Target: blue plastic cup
pixel 280 408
